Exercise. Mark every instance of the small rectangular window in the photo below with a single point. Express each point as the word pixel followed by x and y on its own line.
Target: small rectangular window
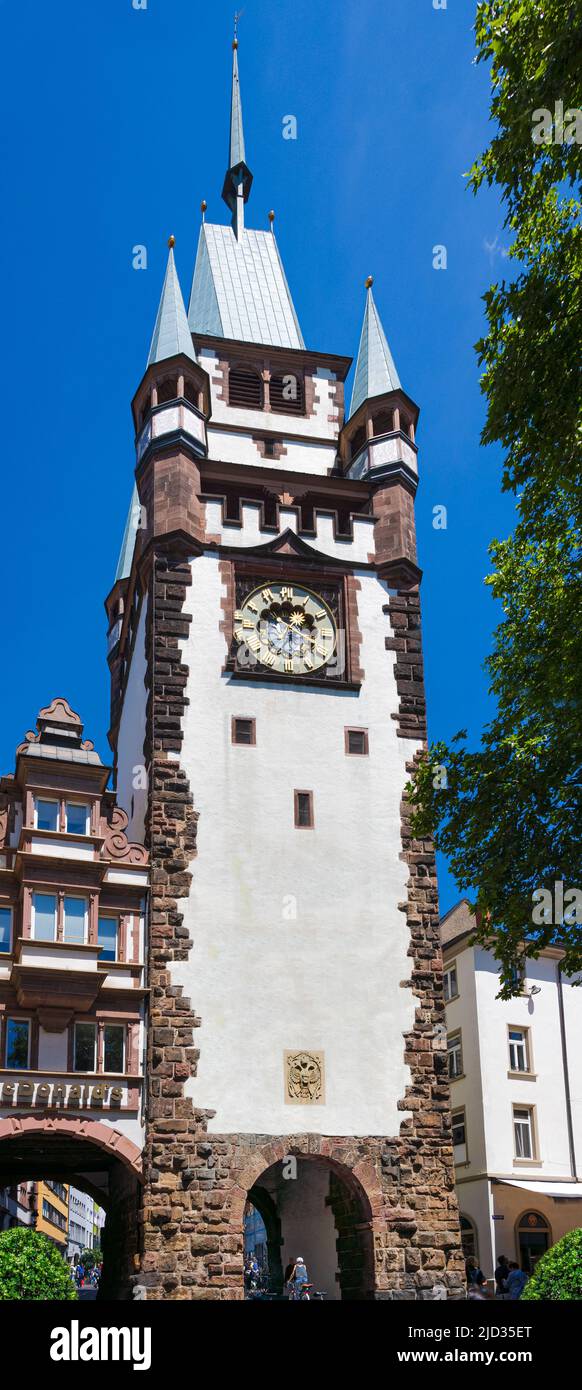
pixel 523 1131
pixel 113 1047
pixel 107 938
pixel 47 815
pixel 5 930
pixel 44 914
pixel 450 981
pixel 244 730
pixel 459 1128
pixel 455 1056
pixel 85 1058
pixel 17 1043
pixel 304 810
pixel 77 818
pixel 356 742
pixel 75 917
pixel 518 1049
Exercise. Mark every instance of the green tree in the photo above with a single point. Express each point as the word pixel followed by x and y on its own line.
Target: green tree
pixel 509 817
pixel 90 1258
pixel 31 1267
pixel 558 1275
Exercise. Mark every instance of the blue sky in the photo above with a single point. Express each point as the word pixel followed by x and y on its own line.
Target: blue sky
pixel 115 125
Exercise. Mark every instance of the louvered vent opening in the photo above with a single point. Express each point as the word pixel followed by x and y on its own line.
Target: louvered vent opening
pixel 167 390
pixel 245 388
pixel 287 394
pixel 384 422
pixel 358 440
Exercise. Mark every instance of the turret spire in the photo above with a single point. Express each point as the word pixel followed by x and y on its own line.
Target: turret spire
pixel 375 369
pixel 238 177
pixel 171 333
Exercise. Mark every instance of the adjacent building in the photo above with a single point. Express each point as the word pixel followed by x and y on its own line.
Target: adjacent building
pixel 52 1212
pixel 72 989
pixel 85 1221
pixel 515 1071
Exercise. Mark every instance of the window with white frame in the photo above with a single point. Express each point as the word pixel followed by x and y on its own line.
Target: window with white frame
pixel 44 916
pixel 455 1055
pixel 107 937
pixel 17 1043
pixel 77 818
pixel 523 1130
pixel 5 930
pixel 518 1049
pixel 459 1136
pixel 46 814
pixel 74 920
pixel 450 981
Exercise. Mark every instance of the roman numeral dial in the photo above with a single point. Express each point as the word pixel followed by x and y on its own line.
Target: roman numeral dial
pixel 289 628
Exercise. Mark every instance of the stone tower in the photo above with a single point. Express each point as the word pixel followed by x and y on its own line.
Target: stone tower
pixel 267 705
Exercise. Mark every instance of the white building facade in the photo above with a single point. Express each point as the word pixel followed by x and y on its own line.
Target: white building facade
pixel 515 1069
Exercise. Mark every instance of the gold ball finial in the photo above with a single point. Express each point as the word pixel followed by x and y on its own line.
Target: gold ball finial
pixel 171 242
pixel 369 282
pixel 203 205
pixel 235 43
pixel 271 217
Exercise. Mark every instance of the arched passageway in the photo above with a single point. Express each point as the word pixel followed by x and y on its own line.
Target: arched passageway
pixel 315 1207
pixel 93 1157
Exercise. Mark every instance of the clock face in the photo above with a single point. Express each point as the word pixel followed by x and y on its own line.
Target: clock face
pixel 287 627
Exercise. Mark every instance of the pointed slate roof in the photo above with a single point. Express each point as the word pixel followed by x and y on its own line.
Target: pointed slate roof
pixel 171 332
pixel 240 291
pixel 375 369
pixel 128 543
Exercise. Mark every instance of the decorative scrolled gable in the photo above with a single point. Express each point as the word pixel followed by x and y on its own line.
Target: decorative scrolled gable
pixel 116 844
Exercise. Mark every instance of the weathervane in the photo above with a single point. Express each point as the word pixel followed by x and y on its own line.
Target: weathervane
pixel 238 14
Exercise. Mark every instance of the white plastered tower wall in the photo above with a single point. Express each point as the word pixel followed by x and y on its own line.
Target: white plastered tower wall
pixel 298 940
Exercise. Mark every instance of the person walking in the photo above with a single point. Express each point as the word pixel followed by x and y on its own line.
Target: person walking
pixel 501 1274
pixel 516 1281
pixel 475 1275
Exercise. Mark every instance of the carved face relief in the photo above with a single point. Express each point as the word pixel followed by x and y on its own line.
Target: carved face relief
pixel 304 1078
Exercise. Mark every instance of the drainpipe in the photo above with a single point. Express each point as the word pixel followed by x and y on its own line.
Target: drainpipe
pixel 566 1072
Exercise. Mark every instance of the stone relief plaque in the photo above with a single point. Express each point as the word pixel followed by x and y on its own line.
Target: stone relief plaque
pixel 304 1078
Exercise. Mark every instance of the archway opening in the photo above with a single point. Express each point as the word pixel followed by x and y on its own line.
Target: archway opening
pixel 534 1237
pixel 315 1208
pixel 52 1163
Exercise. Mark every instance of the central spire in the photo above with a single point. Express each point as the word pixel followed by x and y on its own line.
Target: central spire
pixel 238 177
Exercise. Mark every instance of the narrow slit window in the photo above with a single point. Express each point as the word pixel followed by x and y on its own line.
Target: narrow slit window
pixel 304 810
